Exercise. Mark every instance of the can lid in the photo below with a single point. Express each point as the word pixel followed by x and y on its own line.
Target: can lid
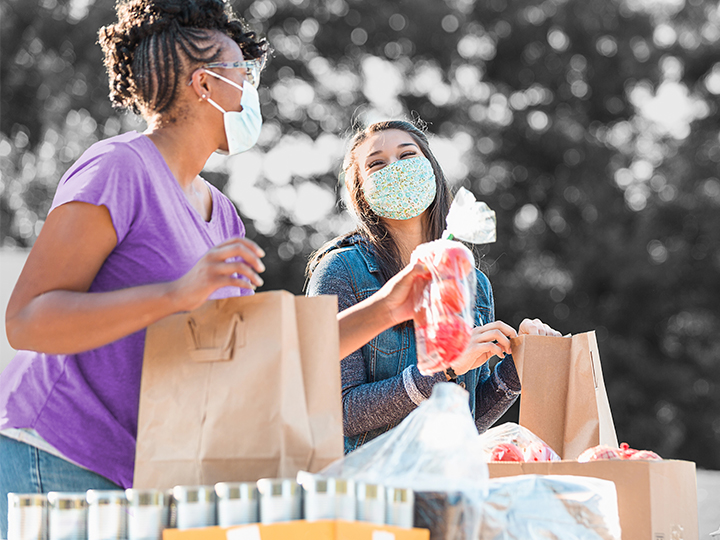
pixel 66 501
pixel 277 487
pixel 17 500
pixel 236 490
pixel 343 486
pixel 368 491
pixel 96 496
pixel 193 494
pixel 145 497
pixel 401 495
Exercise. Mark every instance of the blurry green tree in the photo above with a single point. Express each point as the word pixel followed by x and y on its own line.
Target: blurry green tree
pixel 589 127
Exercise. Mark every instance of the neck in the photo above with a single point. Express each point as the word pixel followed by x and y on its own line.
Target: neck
pixel 184 149
pixel 408 234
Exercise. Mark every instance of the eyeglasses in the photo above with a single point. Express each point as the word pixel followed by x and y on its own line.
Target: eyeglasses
pixel 252 68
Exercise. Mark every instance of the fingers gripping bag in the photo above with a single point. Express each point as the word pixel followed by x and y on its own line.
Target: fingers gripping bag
pixel 444 315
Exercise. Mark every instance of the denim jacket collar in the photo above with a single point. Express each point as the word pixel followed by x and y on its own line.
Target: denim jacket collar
pixel 364 249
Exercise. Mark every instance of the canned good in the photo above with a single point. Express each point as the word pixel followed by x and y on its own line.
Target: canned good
pixel 146 514
pixel 27 516
pixel 195 506
pixel 345 501
pixel 67 516
pixel 237 503
pixel 327 498
pixel 280 500
pixel 107 515
pixel 400 507
pixel 370 503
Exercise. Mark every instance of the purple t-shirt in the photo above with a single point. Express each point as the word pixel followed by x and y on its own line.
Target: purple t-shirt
pixel 86 405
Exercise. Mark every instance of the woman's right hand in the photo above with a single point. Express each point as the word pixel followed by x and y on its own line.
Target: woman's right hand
pixel 233 263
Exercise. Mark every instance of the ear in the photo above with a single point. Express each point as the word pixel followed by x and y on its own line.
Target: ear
pixel 199 82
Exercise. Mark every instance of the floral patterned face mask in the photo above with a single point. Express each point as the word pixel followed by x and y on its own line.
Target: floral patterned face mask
pixel 402 190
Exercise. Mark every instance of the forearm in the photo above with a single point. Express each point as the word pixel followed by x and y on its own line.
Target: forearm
pixel 361 322
pixel 495 393
pixel 384 403
pixel 68 322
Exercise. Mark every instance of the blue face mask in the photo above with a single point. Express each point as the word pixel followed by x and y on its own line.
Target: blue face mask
pixel 402 190
pixel 242 128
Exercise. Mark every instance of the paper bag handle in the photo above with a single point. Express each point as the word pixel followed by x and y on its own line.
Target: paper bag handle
pixel 223 353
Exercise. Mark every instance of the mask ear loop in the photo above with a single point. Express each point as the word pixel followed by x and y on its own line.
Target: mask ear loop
pixel 212 102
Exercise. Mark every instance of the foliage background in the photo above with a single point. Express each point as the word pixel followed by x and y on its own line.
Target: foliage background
pixel 589 127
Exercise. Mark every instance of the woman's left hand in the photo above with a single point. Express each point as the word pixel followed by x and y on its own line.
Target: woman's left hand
pixel 535 327
pixel 486 341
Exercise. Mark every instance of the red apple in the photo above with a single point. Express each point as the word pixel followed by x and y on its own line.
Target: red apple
pixel 506 452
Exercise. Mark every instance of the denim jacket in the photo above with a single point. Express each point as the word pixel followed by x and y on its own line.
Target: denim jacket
pixel 349 269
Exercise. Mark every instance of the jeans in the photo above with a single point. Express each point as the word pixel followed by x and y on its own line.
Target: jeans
pixel 26 469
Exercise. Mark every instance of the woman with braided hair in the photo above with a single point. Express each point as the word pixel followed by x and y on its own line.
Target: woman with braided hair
pixel 135 234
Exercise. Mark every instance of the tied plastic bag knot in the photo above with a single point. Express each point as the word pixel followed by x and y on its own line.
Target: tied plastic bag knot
pixel 470 220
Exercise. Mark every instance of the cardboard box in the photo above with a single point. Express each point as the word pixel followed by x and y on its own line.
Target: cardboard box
pixel 657 500
pixel 301 530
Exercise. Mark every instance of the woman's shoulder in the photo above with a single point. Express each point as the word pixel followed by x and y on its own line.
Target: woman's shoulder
pixel 339 253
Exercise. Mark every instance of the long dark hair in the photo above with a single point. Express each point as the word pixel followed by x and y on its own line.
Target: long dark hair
pixel 154 42
pixel 370 225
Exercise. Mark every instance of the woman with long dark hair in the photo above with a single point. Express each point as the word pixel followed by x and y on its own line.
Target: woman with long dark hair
pixel 400 198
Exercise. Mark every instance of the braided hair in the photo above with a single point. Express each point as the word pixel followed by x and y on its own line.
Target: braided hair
pixel 153 40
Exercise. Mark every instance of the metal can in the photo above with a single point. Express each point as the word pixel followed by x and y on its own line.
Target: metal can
pixel 370 503
pixel 400 507
pixel 67 516
pixel 107 515
pixel 280 500
pixel 146 514
pixel 195 506
pixel 27 516
pixel 327 498
pixel 237 503
pixel 345 502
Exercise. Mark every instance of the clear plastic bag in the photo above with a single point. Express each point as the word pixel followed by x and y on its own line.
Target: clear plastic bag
pixel 444 316
pixel 434 452
pixel 512 442
pixel 470 220
pixel 551 507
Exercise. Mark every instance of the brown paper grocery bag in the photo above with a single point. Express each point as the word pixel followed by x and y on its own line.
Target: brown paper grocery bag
pixel 563 398
pixel 223 393
pixel 319 341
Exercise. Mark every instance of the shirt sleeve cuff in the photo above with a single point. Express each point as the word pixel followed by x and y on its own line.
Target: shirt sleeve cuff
pixel 418 386
pixel 506 376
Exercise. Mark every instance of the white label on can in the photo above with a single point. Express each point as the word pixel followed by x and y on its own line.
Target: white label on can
pixel 250 532
pixel 383 535
pixel 68 524
pixel 145 522
pixel 26 522
pixel 106 521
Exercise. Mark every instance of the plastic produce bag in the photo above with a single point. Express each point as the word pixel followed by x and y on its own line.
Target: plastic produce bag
pixel 603 451
pixel 551 507
pixel 511 442
pixel 435 452
pixel 470 220
pixel 444 316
